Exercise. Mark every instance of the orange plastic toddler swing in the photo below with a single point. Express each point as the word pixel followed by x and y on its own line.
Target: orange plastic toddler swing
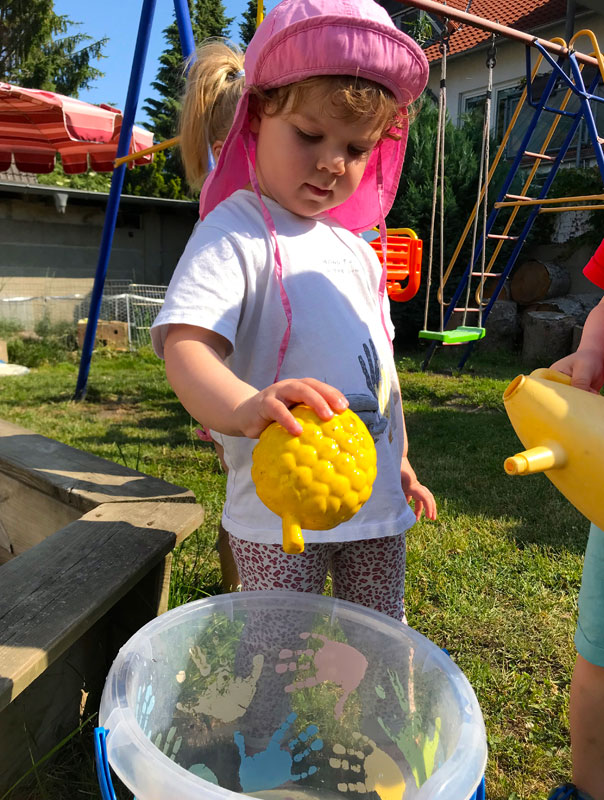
pixel 403 260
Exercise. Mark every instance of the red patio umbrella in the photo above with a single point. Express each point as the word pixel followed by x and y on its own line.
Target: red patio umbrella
pixel 36 125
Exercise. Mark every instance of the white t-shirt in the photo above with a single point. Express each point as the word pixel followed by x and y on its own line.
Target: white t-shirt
pixel 225 281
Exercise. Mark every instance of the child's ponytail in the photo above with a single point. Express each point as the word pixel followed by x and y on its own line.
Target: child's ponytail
pixel 214 86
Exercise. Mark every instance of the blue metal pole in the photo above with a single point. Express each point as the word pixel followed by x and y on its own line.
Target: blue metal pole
pixel 117 181
pixel 185 29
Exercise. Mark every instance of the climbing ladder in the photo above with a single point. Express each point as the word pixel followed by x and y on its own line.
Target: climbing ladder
pixel 533 205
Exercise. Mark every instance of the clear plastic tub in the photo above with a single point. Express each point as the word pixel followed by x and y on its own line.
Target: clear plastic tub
pixel 289 696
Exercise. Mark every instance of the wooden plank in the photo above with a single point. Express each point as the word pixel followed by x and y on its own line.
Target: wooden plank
pixel 51 707
pixel 56 591
pixel 28 516
pixel 75 477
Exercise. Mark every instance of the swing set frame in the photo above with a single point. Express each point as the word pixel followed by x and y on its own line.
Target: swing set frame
pixel 548 49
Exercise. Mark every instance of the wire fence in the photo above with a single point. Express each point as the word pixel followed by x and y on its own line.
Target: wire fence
pixel 27 302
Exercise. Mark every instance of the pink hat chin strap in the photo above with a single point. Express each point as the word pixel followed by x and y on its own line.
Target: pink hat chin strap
pixel 278 262
pixel 384 241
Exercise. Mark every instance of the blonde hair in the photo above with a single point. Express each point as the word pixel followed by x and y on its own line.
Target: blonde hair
pixel 213 88
pixel 345 96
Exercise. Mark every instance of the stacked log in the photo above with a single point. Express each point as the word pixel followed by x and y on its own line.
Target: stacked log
pixel 503 327
pixel 534 281
pixel 548 314
pixel 547 336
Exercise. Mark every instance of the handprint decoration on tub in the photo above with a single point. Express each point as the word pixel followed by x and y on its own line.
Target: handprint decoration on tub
pixel 170 745
pixel 273 767
pixel 369 767
pixel 333 661
pixel 145 703
pixel 226 697
pixel 412 740
pixel 204 772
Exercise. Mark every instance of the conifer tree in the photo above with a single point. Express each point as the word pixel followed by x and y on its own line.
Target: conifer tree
pixel 37 53
pixel 208 18
pixel 247 28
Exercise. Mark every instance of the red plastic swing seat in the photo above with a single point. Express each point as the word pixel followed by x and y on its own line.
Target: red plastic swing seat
pixel 403 260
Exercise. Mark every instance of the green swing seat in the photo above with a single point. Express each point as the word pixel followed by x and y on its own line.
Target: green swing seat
pixel 465 333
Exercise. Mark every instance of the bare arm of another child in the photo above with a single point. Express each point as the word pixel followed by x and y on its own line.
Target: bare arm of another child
pixel 586 366
pixel 217 398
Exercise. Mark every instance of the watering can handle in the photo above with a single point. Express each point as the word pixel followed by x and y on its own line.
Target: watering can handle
pixel 102 764
pixel 551 375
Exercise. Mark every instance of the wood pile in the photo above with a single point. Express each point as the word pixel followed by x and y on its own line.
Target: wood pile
pixel 548 315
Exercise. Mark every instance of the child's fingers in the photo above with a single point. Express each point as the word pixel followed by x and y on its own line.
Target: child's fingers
pixel 585 375
pixel 418 507
pixel 423 502
pixel 321 397
pixel 276 402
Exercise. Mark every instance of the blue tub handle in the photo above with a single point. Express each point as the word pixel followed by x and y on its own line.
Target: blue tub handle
pixel 102 764
pixel 479 794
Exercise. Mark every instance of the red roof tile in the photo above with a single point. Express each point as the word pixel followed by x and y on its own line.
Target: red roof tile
pixel 524 15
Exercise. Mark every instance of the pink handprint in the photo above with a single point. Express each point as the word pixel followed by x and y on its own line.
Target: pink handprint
pixel 337 662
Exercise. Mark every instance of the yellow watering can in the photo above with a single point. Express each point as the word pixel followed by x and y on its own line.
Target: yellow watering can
pixel 562 428
pixel 316 480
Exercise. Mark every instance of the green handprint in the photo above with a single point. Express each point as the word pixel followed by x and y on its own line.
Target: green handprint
pixel 204 772
pixel 413 740
pixel 171 744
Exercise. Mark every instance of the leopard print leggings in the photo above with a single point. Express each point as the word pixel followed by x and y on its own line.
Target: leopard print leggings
pixel 370 572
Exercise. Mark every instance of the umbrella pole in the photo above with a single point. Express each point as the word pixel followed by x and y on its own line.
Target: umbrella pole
pixel 117 181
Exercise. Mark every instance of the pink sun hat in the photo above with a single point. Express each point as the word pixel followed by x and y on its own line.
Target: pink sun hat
pixel 303 38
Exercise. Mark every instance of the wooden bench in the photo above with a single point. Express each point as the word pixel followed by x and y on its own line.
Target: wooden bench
pixel 85 558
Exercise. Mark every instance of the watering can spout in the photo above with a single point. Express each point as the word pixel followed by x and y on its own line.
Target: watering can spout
pixel 536 459
pixel 562 429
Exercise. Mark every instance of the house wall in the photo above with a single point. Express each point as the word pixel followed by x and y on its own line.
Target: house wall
pixel 37 241
pixel 467 73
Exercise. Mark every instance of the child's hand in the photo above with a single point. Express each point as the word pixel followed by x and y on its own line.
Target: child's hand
pixel 272 404
pixel 585 367
pixel 423 499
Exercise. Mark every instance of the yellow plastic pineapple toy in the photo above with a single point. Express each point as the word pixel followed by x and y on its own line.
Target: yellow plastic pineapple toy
pixel 318 479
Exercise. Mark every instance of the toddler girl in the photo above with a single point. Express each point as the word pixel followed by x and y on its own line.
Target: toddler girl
pixel 214 85
pixel 277 299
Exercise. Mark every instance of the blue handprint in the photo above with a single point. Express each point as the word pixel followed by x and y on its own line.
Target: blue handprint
pixel 272 767
pixel 144 706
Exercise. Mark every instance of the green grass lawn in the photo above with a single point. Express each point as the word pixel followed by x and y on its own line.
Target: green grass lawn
pixel 494 580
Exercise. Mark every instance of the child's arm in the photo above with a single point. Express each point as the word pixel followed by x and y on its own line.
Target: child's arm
pixel 214 396
pixel 423 499
pixel 586 366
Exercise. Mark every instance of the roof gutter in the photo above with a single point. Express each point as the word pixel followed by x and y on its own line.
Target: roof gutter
pixel 454 14
pixel 61 195
pixel 487 42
